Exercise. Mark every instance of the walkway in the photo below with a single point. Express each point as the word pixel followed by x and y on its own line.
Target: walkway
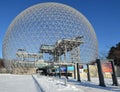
pixel 17 83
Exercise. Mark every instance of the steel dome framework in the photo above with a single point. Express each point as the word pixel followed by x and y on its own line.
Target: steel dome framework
pixel 45 24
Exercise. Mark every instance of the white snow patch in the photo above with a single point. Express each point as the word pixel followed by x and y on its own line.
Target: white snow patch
pixel 52 84
pixel 17 83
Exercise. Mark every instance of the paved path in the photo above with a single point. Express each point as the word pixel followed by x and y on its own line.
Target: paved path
pixel 18 83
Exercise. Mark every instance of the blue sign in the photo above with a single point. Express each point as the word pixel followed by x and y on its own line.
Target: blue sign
pixel 69 68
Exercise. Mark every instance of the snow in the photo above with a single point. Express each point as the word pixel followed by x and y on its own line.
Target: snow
pixel 17 83
pixel 34 83
pixel 93 86
pixel 52 84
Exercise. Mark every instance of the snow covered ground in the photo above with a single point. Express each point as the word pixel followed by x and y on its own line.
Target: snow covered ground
pixel 17 83
pixel 29 83
pixel 52 84
pixel 93 85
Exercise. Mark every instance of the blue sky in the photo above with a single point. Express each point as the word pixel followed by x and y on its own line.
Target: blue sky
pixel 104 15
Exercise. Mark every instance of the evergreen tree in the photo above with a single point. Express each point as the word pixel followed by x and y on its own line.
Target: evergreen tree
pixel 114 53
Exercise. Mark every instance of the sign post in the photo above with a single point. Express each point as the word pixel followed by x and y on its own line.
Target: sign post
pixel 100 74
pixel 78 73
pixel 88 73
pixel 114 78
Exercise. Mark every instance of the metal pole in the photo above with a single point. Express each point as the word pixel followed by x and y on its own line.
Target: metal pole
pixel 114 78
pixel 78 73
pixel 65 54
pixel 88 73
pixel 55 72
pixel 100 74
pixel 66 72
pixel 59 72
pixel 78 57
pixel 74 71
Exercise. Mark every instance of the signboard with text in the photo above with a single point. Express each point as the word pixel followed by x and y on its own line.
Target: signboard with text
pixel 106 67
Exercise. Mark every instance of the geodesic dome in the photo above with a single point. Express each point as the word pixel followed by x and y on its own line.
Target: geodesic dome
pixel 47 23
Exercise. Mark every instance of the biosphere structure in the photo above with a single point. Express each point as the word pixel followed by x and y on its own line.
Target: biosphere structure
pixel 45 24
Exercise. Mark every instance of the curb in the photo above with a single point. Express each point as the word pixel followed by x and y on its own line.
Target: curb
pixel 37 83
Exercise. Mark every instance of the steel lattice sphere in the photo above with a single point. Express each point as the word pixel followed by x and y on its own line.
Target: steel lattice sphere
pixel 47 23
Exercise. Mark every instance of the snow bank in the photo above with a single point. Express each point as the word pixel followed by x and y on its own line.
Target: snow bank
pixel 52 84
